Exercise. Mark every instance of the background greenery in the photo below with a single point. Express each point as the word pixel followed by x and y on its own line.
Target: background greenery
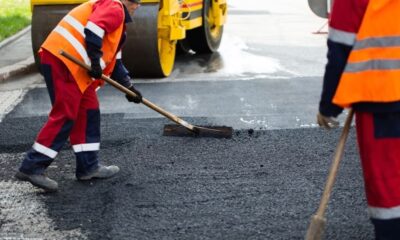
pixel 14 16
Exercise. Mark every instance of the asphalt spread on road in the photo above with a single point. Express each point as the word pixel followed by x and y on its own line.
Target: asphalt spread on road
pixel 257 185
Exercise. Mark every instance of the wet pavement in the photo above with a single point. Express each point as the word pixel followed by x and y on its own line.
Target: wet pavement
pixel 264 183
pixel 258 104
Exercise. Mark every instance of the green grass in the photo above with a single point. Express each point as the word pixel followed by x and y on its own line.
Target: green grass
pixel 14 16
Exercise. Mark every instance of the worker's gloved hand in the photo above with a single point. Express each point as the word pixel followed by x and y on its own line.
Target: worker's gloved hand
pixel 95 71
pixel 137 99
pixel 327 122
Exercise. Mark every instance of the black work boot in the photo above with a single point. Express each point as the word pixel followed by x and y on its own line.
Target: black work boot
pixel 38 180
pixel 101 172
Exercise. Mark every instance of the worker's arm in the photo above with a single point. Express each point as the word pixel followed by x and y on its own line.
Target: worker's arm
pixel 337 57
pixel 93 49
pixel 346 18
pixel 121 75
pixel 106 17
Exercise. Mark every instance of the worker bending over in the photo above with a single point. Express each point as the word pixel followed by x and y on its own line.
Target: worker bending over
pixel 93 32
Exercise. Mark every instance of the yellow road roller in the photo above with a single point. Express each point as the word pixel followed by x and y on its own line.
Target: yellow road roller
pixel 159 27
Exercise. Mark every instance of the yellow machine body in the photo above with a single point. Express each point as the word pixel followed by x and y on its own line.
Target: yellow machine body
pixel 173 19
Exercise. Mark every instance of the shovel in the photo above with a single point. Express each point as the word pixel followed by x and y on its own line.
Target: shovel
pixel 183 129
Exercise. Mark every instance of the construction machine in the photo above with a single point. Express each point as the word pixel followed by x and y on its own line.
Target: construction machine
pixel 159 27
pixel 321 8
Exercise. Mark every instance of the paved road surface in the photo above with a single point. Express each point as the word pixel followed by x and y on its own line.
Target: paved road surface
pixel 262 184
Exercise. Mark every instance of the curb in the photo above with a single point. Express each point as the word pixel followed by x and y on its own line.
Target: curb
pixel 19 68
pixel 14 37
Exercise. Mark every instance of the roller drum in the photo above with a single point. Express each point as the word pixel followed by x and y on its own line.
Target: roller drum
pixel 141 54
pixel 44 19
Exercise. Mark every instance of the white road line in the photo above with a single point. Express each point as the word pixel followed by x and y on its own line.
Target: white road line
pixel 10 99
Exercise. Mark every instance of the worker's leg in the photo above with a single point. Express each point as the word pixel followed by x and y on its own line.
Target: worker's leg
pixel 85 139
pixel 379 142
pixel 85 135
pixel 65 97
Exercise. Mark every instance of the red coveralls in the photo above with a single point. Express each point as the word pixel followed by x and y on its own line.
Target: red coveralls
pixel 74 114
pixel 377 123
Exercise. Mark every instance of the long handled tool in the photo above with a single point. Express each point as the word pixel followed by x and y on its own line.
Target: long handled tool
pixel 184 128
pixel 317 224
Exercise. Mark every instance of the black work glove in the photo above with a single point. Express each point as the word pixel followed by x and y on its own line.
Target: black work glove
pixel 95 71
pixel 137 99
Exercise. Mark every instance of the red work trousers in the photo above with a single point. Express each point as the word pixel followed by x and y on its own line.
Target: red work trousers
pixel 74 115
pixel 378 137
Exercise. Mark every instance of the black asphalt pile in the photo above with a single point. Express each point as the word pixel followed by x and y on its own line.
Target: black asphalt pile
pixel 257 185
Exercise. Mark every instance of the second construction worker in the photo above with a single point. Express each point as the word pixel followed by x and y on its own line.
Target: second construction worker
pixel 93 32
pixel 363 73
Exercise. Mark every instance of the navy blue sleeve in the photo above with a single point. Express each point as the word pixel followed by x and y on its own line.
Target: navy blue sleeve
pixel 121 74
pixel 93 45
pixel 337 58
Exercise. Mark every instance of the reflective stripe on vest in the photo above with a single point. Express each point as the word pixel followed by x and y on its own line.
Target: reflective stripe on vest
pixel 372 73
pixel 69 36
pixel 75 42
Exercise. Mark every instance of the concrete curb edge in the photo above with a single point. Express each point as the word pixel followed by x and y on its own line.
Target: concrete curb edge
pixel 18 68
pixel 14 37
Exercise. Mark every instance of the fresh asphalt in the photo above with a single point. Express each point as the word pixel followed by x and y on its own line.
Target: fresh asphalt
pixel 264 183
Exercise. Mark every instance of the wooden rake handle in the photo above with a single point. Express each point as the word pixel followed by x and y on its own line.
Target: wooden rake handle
pixel 317 225
pixel 335 166
pixel 125 90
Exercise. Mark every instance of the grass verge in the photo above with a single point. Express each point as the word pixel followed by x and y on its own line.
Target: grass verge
pixel 14 16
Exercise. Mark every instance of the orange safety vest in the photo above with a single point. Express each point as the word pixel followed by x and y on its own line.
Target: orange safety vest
pixel 69 36
pixel 372 73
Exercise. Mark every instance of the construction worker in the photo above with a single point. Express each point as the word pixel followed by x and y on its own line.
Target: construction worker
pixel 363 73
pixel 93 32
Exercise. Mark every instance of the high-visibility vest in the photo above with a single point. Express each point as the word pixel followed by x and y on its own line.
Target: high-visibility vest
pixel 69 36
pixel 372 72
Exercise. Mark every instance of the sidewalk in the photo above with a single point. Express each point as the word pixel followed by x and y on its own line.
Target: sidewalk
pixel 16 55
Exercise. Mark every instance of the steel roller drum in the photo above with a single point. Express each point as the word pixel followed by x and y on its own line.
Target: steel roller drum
pixel 44 20
pixel 319 7
pixel 141 54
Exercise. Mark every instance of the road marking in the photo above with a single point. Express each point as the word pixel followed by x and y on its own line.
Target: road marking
pixel 10 99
